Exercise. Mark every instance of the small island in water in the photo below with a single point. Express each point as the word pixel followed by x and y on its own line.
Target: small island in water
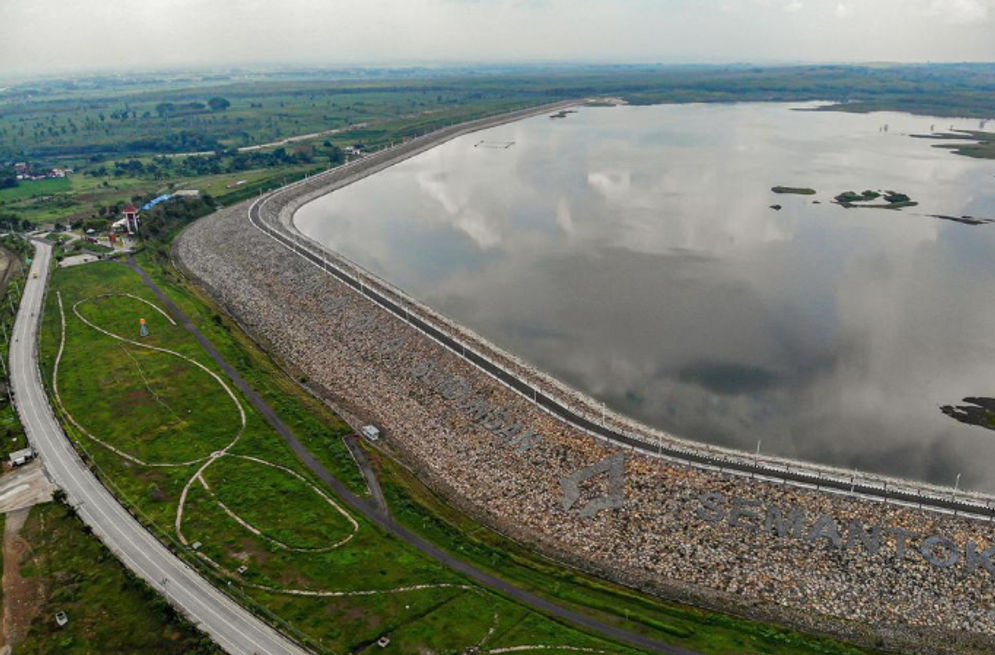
pixel 563 113
pixel 801 191
pixel 892 200
pixel 978 411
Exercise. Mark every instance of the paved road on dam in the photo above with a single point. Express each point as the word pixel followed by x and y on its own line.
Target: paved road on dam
pixel 236 630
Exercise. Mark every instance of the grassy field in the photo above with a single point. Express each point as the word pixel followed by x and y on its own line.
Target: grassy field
pixel 161 425
pixel 97 117
pixel 32 188
pixel 109 610
pixel 270 516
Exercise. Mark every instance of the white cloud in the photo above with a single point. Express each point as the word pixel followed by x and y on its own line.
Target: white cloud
pixel 962 12
pixel 126 34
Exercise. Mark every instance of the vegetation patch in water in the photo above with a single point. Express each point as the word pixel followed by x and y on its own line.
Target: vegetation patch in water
pixel 964 220
pixel 801 191
pixel 892 199
pixel 982 144
pixel 977 411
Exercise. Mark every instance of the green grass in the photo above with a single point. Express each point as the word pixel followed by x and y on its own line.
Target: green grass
pixel 259 494
pixel 218 185
pixel 32 188
pixel 98 248
pixel 314 424
pixel 109 610
pixel 78 196
pixel 441 619
pixel 152 405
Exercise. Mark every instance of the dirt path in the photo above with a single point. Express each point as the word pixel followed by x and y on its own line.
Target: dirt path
pixel 22 597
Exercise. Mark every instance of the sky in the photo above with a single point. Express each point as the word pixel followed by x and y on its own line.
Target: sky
pixel 54 36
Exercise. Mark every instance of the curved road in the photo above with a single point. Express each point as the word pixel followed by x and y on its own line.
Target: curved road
pixel 236 630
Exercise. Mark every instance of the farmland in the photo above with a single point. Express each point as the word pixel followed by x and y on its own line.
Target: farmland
pixel 129 140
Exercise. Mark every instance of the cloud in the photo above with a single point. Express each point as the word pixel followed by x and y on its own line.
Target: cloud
pixel 127 35
pixel 962 12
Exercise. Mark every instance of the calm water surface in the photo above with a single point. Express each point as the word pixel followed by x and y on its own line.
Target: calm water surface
pixel 632 253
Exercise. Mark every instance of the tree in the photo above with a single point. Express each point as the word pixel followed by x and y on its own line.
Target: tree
pixel 8 178
pixel 218 104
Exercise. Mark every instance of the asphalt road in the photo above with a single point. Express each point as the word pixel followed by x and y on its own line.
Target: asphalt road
pixel 231 626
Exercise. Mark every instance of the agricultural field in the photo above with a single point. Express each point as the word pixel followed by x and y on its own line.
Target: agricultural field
pixel 171 436
pixel 34 188
pixel 151 115
pixel 130 140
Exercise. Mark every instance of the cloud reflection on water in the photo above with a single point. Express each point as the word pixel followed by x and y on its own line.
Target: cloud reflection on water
pixel 632 253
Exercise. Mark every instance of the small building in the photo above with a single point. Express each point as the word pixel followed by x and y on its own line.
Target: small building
pixel 370 432
pixel 130 213
pixel 22 456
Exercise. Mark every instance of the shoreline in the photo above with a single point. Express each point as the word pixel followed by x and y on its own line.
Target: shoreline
pixel 589 414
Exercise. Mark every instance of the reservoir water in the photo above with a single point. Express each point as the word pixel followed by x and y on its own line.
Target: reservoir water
pixel 633 253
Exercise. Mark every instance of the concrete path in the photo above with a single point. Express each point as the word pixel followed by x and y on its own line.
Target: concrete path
pixel 77 260
pixel 363 462
pixel 24 487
